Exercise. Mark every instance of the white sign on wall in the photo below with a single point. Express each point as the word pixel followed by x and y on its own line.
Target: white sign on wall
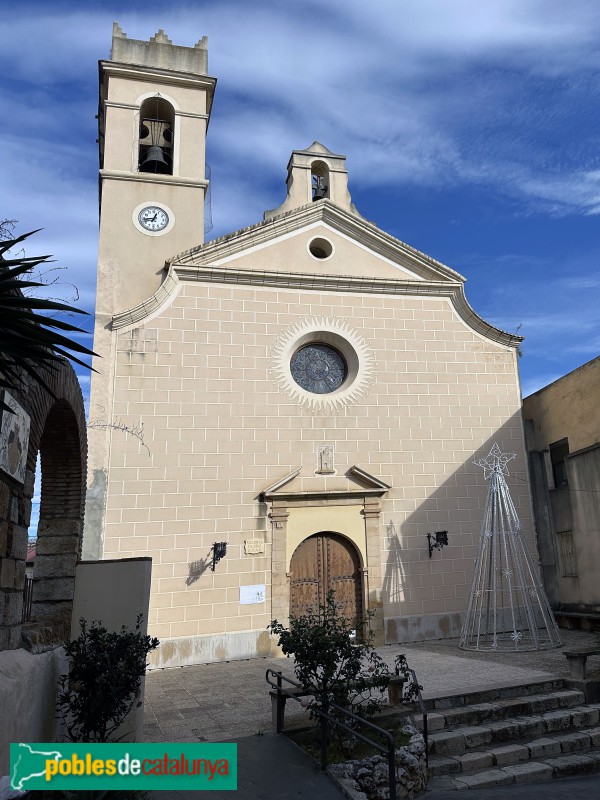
pixel 252 594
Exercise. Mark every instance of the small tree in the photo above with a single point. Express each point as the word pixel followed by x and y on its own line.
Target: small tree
pixel 104 679
pixel 329 662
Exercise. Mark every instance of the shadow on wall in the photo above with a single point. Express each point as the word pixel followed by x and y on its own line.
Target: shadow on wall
pixel 425 598
pixel 393 580
pixel 197 569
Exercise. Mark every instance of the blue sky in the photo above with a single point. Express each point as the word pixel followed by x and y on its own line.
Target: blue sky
pixel 472 131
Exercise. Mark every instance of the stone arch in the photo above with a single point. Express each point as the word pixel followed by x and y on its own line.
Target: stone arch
pixel 156 135
pixel 58 432
pixel 320 181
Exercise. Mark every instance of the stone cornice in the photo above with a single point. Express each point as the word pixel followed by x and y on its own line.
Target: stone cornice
pixel 366 233
pixel 198 264
pixel 323 283
pixel 157 75
pixel 163 296
pixel 324 494
pixel 370 480
pixel 281 482
pixel 151 177
pixel 374 487
pixel 454 291
pixel 134 107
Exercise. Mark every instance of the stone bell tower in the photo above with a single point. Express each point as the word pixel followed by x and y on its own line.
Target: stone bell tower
pixel 155 103
pixel 154 109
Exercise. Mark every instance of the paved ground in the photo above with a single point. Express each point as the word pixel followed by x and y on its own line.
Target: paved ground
pixel 226 701
pixel 230 702
pixel 270 767
pixel 585 788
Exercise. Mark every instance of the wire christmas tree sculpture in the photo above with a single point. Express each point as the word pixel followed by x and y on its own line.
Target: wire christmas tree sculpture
pixel 508 608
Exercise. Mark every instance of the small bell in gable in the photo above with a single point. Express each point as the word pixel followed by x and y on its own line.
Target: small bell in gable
pixel 319 188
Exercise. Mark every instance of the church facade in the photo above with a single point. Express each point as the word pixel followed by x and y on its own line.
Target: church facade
pixel 287 410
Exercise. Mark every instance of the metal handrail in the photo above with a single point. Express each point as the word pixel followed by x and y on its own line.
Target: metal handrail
pixel 324 717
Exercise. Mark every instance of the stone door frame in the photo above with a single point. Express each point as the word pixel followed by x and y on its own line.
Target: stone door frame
pixel 281 502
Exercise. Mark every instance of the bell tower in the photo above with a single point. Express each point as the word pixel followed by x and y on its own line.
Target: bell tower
pixel 154 109
pixel 155 103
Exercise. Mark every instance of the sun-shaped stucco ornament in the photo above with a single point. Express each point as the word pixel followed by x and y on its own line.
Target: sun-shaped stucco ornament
pixel 332 338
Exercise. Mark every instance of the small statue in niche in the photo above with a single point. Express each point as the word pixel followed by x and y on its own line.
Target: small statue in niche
pixel 325 460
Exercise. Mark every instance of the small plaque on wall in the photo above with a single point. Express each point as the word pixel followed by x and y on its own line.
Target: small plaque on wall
pixel 14 438
pixel 253 546
pixel 252 594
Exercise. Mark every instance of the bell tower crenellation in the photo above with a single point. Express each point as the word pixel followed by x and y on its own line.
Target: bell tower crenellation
pixel 154 54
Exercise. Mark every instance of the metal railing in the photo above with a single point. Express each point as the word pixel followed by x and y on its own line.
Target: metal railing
pixel 324 718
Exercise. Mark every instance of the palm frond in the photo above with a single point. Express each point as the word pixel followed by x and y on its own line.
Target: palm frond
pixel 30 342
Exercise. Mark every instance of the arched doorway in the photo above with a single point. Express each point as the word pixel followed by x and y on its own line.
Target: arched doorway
pixel 62 451
pixel 322 563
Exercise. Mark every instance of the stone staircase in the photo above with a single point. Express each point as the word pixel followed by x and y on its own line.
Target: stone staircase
pixel 510 735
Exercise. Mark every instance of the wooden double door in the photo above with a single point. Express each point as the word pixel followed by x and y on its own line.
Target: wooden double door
pixel 321 563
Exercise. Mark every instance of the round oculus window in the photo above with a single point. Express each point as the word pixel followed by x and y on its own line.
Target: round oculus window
pixel 318 368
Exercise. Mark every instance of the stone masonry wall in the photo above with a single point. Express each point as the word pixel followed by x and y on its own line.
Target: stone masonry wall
pixel 58 430
pixel 219 430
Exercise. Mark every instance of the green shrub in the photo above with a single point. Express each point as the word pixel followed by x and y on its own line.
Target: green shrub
pixel 412 686
pixel 103 683
pixel 331 663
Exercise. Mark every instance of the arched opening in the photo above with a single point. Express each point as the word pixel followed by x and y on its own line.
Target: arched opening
pixel 319 172
pixel 60 526
pixel 157 121
pixel 322 563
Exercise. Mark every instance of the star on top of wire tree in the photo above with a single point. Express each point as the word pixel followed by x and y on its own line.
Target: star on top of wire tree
pixel 495 462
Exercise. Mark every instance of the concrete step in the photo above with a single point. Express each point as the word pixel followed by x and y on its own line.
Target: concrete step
pixel 481 713
pixel 584 740
pixel 456 740
pixel 529 772
pixel 493 694
pixel 507 736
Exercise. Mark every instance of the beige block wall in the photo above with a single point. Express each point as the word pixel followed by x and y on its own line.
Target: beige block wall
pixel 219 430
pixel 567 408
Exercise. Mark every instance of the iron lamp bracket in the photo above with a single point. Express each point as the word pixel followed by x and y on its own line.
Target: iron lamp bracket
pixel 436 541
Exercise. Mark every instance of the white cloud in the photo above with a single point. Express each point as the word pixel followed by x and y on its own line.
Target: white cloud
pixel 412 92
pixel 500 95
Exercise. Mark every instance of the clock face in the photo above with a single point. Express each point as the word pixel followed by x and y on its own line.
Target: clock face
pixel 318 368
pixel 153 218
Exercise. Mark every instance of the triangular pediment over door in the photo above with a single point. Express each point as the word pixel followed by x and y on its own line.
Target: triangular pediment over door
pixel 347 506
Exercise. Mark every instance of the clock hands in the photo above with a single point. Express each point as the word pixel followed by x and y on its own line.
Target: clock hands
pixel 153 219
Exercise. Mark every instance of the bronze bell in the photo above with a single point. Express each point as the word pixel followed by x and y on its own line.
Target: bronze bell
pixel 319 188
pixel 155 160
